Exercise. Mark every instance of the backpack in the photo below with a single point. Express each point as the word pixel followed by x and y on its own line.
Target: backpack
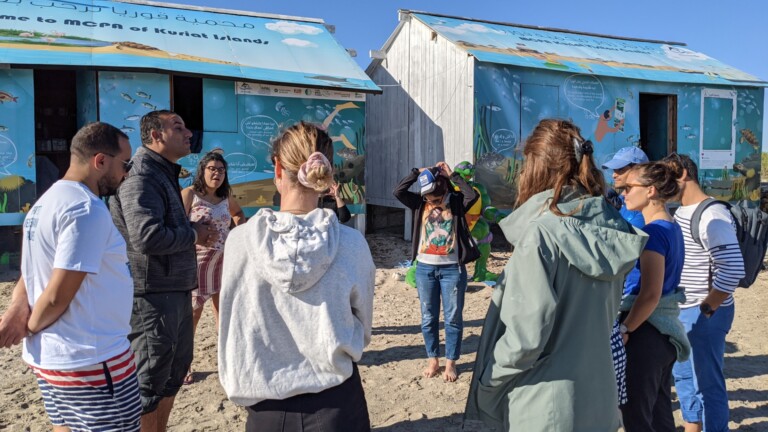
pixel 751 233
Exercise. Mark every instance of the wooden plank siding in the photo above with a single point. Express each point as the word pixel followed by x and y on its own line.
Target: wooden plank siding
pixel 425 113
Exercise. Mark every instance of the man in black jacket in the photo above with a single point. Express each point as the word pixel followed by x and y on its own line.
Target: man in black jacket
pixel 149 213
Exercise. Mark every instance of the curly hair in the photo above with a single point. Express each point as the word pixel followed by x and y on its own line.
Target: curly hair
pixel 682 165
pixel 198 184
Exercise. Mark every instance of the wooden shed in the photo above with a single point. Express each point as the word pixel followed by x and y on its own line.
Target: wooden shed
pixel 459 89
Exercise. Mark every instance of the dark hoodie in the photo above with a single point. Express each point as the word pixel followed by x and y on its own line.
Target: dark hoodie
pixel 460 201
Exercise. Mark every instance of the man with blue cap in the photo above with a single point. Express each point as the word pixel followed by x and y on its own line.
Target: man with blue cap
pixel 621 162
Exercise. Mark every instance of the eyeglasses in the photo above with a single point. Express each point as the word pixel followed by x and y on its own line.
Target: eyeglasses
pixel 433 201
pixel 219 170
pixel 127 165
pixel 628 187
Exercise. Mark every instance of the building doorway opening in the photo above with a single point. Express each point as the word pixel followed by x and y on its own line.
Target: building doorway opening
pixel 658 124
pixel 187 100
pixel 55 124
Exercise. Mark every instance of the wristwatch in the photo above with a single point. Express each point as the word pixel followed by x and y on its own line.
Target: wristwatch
pixel 623 329
pixel 706 310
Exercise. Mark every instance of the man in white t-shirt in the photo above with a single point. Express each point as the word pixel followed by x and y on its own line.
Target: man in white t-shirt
pixel 711 273
pixel 72 305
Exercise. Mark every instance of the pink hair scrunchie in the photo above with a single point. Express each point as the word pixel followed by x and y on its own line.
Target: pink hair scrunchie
pixel 315 160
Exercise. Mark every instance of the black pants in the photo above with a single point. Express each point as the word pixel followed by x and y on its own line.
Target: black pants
pixel 340 408
pixel 650 357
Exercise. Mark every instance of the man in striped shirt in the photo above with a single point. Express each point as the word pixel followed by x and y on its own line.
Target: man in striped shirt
pixel 711 273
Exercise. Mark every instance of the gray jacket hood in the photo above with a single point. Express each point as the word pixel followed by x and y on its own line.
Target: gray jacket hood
pixel 291 252
pixel 595 239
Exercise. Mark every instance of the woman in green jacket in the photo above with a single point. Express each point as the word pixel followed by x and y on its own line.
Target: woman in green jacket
pixel 544 362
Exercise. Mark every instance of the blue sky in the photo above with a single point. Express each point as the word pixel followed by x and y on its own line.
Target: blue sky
pixel 733 32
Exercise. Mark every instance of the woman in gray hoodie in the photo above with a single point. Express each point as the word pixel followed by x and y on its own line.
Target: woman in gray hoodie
pixel 544 362
pixel 296 302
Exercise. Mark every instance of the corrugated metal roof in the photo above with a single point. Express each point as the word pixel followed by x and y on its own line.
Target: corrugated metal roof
pixel 555 49
pixel 160 36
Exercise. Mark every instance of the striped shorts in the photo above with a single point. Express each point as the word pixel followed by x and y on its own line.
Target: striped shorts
pixel 210 263
pixel 101 397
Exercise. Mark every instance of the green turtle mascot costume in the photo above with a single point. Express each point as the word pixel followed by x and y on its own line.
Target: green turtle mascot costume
pixel 478 218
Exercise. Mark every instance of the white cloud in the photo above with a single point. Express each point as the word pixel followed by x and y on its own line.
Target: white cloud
pixel 479 28
pixel 301 43
pixel 449 30
pixel 292 28
pixel 467 28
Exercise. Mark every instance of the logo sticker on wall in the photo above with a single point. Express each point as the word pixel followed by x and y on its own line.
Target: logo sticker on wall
pixel 243 88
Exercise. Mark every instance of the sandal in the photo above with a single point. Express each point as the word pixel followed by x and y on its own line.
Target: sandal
pixel 189 378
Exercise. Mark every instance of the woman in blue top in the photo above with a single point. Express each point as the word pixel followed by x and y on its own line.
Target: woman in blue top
pixel 653 338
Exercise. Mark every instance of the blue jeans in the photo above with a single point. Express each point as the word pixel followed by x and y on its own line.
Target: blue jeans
pixel 450 282
pixel 700 382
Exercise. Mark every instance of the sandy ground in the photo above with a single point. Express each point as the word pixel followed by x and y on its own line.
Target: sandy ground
pixel 399 399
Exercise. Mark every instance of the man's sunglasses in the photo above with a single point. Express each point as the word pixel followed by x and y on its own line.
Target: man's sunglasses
pixel 127 165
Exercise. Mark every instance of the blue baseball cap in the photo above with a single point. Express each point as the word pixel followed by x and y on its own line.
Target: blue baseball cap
pixel 426 182
pixel 626 156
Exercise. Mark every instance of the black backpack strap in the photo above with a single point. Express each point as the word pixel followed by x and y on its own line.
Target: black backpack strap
pixel 696 217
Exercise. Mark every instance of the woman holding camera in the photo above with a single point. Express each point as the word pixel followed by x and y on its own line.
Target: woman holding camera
pixel 442 246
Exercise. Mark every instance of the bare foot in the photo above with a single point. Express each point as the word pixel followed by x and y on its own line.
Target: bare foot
pixel 450 374
pixel 433 367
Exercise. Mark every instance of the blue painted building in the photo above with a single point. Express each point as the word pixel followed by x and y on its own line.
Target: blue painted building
pixel 236 78
pixel 461 89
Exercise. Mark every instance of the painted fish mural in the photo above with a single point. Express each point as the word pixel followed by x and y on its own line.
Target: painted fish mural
pixel 7 97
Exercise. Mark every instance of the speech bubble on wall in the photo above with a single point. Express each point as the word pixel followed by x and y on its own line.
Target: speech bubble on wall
pixel 259 128
pixel 503 140
pixel 8 154
pixel 586 93
pixel 240 165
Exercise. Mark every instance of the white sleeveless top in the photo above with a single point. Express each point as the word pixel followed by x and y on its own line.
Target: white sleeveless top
pixel 216 214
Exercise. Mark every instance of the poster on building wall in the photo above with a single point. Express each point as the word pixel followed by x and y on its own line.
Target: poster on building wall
pixel 17 145
pixel 718 126
pixel 262 111
pixel 124 97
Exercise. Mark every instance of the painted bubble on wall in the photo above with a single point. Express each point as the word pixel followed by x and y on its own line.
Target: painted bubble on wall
pixel 586 93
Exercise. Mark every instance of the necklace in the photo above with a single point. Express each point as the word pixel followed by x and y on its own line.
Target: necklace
pixel 294 211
